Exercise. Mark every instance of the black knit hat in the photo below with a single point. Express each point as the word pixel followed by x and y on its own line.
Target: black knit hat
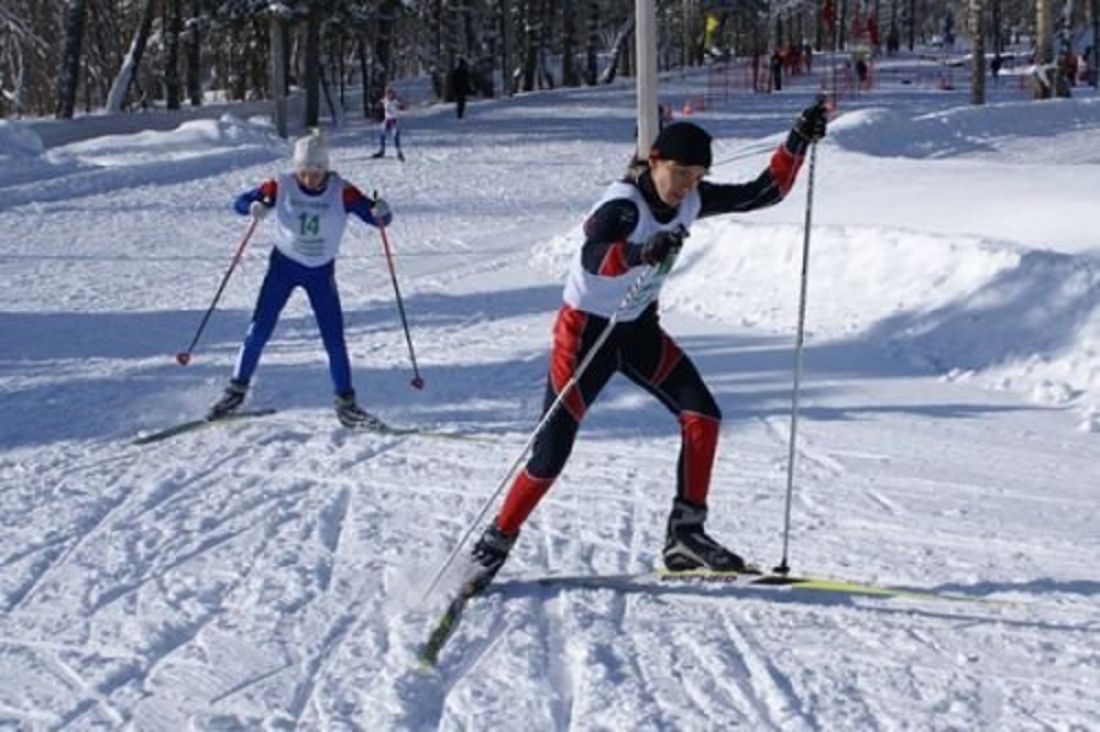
pixel 684 142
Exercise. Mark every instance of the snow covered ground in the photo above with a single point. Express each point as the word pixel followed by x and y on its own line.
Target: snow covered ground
pixel 267 575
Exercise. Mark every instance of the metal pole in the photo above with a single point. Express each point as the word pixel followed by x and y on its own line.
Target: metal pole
pixel 783 568
pixel 645 39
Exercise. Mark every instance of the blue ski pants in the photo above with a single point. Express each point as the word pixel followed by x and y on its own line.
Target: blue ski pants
pixel 283 275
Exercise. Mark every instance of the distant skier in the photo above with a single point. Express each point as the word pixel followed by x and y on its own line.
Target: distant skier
pixel 640 222
pixel 391 125
pixel 311 205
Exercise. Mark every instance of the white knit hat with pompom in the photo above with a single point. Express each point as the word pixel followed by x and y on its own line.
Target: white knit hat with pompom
pixel 310 153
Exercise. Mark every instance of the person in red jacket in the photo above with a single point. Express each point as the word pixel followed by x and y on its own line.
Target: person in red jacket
pixel 640 222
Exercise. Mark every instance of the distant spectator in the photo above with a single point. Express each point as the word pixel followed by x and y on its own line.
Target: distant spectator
pixel 777 71
pixel 460 86
pixel 863 72
pixel 893 42
pixel 995 65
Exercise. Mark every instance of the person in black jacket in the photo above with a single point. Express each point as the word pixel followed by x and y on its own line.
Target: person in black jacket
pixel 460 86
pixel 640 222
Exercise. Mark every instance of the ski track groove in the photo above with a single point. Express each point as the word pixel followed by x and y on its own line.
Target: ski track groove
pixel 634 650
pixel 738 669
pixel 804 449
pixel 206 544
pixel 106 518
pixel 185 634
pixel 780 702
pixel 182 635
pixel 23 595
pixel 93 695
pixel 304 689
pixel 330 531
pixel 550 615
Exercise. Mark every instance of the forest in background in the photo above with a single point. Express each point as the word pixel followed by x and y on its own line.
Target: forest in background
pixel 69 57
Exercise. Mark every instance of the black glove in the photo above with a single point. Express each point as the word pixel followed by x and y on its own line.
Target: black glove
pixel 658 247
pixel 811 123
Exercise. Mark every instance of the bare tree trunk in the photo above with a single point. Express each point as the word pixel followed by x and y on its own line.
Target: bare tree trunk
pixel 126 75
pixel 530 45
pixel 312 71
pixel 622 40
pixel 569 75
pixel 592 44
pixel 977 46
pixel 507 58
pixel 1094 72
pixel 364 71
pixel 1044 49
pixel 77 13
pixel 172 54
pixel 193 44
pixel 1063 80
pixel 278 73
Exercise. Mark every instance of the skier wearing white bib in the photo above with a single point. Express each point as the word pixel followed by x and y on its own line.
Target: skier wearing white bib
pixel 311 205
pixel 640 222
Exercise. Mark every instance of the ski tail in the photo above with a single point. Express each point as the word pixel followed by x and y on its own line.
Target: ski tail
pixel 196 424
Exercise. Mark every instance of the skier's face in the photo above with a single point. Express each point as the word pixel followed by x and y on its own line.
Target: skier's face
pixel 312 179
pixel 675 181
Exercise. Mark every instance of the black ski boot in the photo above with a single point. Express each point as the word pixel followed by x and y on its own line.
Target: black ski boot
pixel 232 398
pixel 354 417
pixel 380 154
pixel 401 156
pixel 687 546
pixel 488 555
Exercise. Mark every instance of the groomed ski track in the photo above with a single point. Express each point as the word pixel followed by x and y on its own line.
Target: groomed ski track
pixel 266 574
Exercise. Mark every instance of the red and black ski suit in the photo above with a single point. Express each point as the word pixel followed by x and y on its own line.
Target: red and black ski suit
pixel 638 347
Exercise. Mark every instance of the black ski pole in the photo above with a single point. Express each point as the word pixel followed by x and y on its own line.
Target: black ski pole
pixel 184 357
pixel 783 568
pixel 417 382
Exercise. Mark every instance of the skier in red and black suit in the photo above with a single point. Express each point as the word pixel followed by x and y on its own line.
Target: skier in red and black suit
pixel 640 222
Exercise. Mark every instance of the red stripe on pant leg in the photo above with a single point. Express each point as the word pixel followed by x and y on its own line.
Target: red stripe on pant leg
pixel 524 495
pixel 670 356
pixel 563 359
pixel 700 441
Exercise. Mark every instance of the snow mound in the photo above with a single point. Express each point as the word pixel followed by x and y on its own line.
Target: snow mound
pixel 18 141
pixel 192 139
pixel 959 306
pixel 973 131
